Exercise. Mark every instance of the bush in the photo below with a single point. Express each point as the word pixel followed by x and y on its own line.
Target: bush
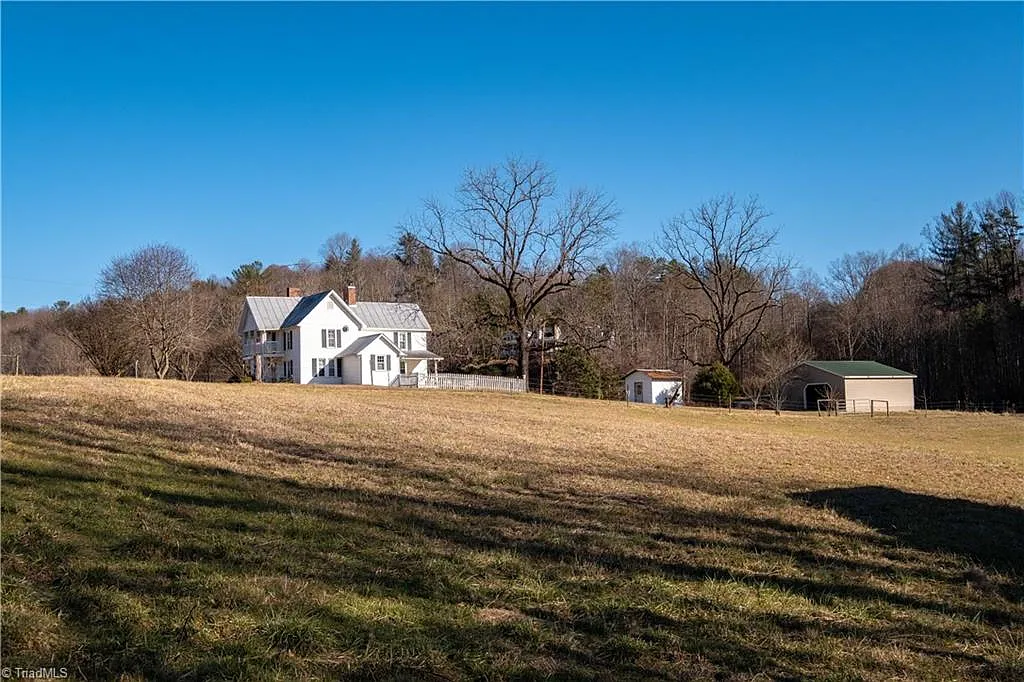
pixel 716 383
pixel 577 373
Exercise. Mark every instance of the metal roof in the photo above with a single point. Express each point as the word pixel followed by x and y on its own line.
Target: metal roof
pixel 859 369
pixel 270 311
pixel 422 355
pixel 305 307
pixel 362 342
pixel 277 312
pixel 397 316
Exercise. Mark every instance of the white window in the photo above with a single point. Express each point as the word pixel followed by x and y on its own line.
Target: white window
pixel 403 340
pixel 320 365
pixel 330 368
pixel 330 338
pixel 380 362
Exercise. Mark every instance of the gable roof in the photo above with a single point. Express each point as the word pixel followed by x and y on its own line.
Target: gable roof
pixel 362 342
pixel 397 316
pixel 304 307
pixel 270 311
pixel 658 374
pixel 859 369
pixel 278 312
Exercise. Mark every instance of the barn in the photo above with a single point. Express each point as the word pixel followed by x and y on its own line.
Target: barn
pixel 653 386
pixel 853 383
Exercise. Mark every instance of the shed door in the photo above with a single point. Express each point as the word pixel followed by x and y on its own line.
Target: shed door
pixel 638 391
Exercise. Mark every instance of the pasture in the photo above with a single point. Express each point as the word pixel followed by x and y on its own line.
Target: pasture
pixel 167 530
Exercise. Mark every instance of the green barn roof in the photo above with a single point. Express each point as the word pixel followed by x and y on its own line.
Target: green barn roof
pixel 849 369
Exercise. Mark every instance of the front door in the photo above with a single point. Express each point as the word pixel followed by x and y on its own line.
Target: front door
pixel 638 391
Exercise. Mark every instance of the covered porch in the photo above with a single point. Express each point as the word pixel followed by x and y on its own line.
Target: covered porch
pixel 419 362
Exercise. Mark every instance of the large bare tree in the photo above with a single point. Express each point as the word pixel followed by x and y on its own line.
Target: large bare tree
pixel 727 250
pixel 154 285
pixel 510 226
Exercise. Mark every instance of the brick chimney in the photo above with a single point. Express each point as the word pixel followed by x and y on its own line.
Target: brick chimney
pixel 292 291
pixel 350 295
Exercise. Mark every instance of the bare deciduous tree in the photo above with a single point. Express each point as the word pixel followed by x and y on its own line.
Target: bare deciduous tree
pixel 726 248
pixel 153 284
pixel 102 330
pixel 776 367
pixel 504 228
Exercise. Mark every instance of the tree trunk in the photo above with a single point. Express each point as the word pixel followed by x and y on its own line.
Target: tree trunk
pixel 524 354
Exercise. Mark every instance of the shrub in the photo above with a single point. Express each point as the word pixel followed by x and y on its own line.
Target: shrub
pixel 716 383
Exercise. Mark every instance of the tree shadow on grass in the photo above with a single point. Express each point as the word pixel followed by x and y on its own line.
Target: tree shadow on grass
pixel 412 535
pixel 991 536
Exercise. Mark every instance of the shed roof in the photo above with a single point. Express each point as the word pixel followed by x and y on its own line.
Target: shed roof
pixel 658 374
pixel 270 311
pixel 859 369
pixel 398 316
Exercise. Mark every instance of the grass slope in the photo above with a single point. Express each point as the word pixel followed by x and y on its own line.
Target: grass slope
pixel 163 530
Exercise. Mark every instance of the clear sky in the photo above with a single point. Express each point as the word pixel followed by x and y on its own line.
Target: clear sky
pixel 244 132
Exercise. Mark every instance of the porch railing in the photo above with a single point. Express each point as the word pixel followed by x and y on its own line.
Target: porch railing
pixel 262 348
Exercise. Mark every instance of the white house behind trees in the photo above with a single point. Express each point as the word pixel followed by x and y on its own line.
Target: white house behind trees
pixel 325 338
pixel 653 386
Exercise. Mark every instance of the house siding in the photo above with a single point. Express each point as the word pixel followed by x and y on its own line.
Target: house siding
pixel 377 377
pixel 328 314
pixel 352 370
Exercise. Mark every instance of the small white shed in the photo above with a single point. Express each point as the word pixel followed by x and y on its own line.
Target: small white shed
pixel 653 386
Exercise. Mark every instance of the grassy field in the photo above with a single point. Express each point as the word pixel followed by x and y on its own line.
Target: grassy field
pixel 165 531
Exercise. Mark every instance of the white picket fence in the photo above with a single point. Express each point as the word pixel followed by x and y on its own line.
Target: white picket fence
pixel 462 382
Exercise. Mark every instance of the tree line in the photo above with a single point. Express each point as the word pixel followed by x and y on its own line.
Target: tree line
pixel 518 277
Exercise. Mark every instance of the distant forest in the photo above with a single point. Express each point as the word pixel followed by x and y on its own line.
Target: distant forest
pixel 511 257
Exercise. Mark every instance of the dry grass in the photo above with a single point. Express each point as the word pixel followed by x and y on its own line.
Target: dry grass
pixel 162 529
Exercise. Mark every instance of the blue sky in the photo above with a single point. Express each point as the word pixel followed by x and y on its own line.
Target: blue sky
pixel 245 132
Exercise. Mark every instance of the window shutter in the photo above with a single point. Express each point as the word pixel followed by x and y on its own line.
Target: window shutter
pixel 388 361
pixel 314 366
pixel 338 336
pixel 323 337
pixel 372 363
pixel 396 338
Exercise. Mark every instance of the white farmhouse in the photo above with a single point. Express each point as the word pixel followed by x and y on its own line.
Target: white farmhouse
pixel 325 338
pixel 653 386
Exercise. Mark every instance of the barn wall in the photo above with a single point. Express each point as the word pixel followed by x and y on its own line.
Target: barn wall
pixel 899 393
